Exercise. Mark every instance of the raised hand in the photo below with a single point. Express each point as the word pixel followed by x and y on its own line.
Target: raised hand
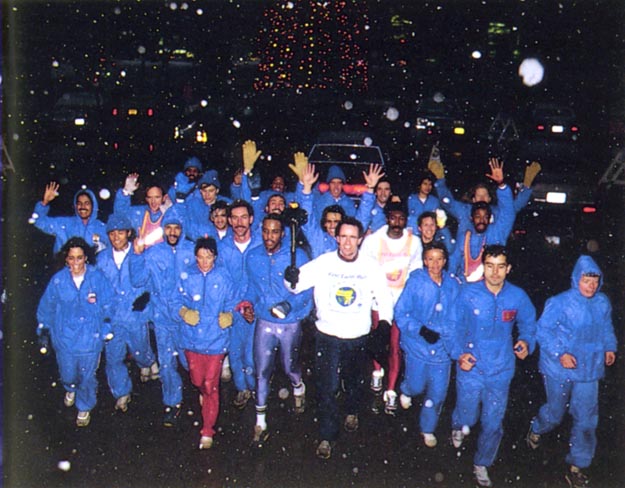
pixel 50 193
pixel 250 156
pixel 496 170
pixel 308 178
pixel 300 162
pixel 374 175
pixel 131 184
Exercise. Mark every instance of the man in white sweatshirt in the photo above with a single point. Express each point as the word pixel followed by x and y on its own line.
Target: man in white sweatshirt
pixel 346 286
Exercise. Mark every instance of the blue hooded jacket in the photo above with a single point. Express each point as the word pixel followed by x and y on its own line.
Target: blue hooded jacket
pixel 62 228
pixel 75 316
pixel 580 326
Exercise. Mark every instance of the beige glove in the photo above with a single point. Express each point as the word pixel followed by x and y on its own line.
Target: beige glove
pixel 190 316
pixel 437 168
pixel 301 162
pixel 530 173
pixel 225 319
pixel 250 156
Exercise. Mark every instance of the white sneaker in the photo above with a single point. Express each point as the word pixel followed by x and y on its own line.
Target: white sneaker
pixel 122 403
pixel 405 401
pixel 151 373
pixel 481 476
pixel 390 402
pixel 226 372
pixel 376 380
pixel 429 439
pixel 70 398
pixel 83 419
pixel 300 399
pixel 206 442
pixel 457 436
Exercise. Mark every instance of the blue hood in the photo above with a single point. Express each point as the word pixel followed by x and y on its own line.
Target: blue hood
pixel 585 264
pixel 335 172
pixel 94 202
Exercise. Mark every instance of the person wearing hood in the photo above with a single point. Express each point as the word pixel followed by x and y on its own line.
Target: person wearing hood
pixel 186 182
pixel 157 269
pixel 335 195
pixel 147 219
pixel 576 339
pixel 130 313
pixel 84 223
pixel 73 314
pixel 422 200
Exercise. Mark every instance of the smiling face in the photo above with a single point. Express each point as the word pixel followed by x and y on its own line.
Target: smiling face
pixel 119 239
pixel 277 184
pixel 348 240
pixel 240 221
pixel 434 260
pixel 480 219
pixel 275 205
pixel 219 218
pixel 330 222
pixel 427 229
pixel 76 261
pixel 192 173
pixel 84 206
pixel 383 192
pixel 154 198
pixel 335 187
pixel 272 235
pixel 396 224
pixel 172 233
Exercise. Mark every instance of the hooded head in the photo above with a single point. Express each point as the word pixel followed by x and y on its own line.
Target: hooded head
pixel 209 178
pixel 585 266
pixel 118 222
pixel 173 219
pixel 193 162
pixel 84 209
pixel 335 173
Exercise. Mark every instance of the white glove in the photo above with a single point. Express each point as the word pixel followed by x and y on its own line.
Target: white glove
pixel 131 185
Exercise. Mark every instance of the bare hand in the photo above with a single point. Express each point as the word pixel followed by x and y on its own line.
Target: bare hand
pixel 496 170
pixel 568 361
pixel 248 314
pixel 250 156
pixel 301 161
pixel 610 357
pixel 309 178
pixel 521 350
pixel 50 193
pixel 466 361
pixel 374 175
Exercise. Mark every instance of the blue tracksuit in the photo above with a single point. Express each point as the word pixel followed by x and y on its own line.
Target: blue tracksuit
pixel 323 200
pixel 423 302
pixel 75 318
pixel 62 228
pixel 484 323
pixel 158 268
pixel 260 203
pixel 130 327
pixel 242 334
pixel 416 207
pixel 377 219
pixel 582 327
pixel 137 214
pixel 210 294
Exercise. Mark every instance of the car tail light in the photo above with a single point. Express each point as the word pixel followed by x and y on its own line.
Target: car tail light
pixel 574 128
pixel 150 112
pixel 116 146
pixel 151 147
pixel 589 209
pixel 540 127
pixel 114 112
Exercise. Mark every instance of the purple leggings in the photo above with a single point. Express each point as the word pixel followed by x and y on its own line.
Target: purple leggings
pixel 268 338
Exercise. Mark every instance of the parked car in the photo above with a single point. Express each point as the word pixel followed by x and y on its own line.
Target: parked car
pixel 77 116
pixel 441 118
pixel 553 121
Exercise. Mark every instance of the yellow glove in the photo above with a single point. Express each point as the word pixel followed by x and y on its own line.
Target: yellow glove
pixel 301 161
pixel 530 173
pixel 250 156
pixel 437 168
pixel 190 316
pixel 225 319
pixel 441 218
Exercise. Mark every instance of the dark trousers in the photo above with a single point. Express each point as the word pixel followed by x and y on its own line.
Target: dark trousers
pixel 338 359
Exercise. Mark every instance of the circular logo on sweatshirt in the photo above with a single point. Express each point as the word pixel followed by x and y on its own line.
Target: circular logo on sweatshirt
pixel 345 296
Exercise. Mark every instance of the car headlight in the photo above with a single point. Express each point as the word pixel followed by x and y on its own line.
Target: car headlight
pixel 556 197
pixel 557 129
pixel 79 121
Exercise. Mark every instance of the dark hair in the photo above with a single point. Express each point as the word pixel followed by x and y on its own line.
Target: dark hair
pixel 495 250
pixel 76 242
pixel 479 206
pixel 471 193
pixel 240 203
pixel 384 179
pixel 274 195
pixel 395 207
pixel 219 205
pixel 206 243
pixel 347 220
pixel 331 209
pixel 154 184
pixel 436 245
pixel 276 217
pixel 425 175
pixel 425 215
pixel 83 192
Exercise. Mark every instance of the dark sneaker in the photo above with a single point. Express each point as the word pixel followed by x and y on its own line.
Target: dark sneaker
pixel 240 401
pixel 324 450
pixel 576 479
pixel 532 439
pixel 171 415
pixel 351 423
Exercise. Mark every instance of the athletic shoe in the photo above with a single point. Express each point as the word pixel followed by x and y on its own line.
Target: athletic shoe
pixel 122 403
pixel 300 400
pixel 170 417
pixel 429 439
pixel 390 402
pixel 151 373
pixel 576 479
pixel 260 436
pixel 457 436
pixel 351 423
pixel 206 442
pixel 240 401
pixel 377 405
pixel 226 372
pixel 70 398
pixel 83 419
pixel 376 380
pixel 532 439
pixel 405 401
pixel 324 450
pixel 481 476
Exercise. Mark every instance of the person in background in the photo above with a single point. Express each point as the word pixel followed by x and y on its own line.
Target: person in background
pixel 427 337
pixel 185 182
pixel 422 200
pixel 73 315
pixel 577 341
pixel 204 302
pixel 484 317
pixel 130 313
pixel 84 223
pixel 346 285
pixel 432 228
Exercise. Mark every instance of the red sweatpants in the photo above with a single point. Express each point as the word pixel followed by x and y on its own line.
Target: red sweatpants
pixel 205 371
pixel 394 352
